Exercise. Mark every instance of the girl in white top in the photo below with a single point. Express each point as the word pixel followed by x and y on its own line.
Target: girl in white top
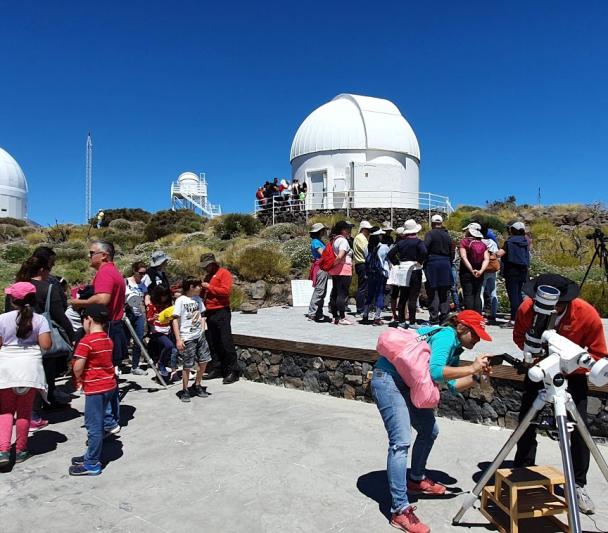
pixel 23 334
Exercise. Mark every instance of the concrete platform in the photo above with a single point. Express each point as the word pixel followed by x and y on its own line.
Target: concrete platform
pixel 289 323
pixel 251 458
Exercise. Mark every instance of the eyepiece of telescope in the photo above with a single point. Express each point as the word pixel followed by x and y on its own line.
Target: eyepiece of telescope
pixel 544 318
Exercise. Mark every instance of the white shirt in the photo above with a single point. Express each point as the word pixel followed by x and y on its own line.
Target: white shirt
pixel 189 310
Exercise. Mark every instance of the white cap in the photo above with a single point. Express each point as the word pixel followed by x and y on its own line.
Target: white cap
pixel 472 225
pixel 379 232
pixel 386 226
pixel 518 225
pixel 399 230
pixel 437 219
pixel 365 225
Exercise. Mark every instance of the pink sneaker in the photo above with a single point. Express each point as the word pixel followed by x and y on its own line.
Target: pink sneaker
pixel 408 521
pixel 37 424
pixel 425 486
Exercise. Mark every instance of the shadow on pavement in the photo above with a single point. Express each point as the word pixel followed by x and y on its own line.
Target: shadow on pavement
pixel 483 466
pixel 62 415
pixel 45 441
pixel 374 485
pixel 127 413
pixel 112 451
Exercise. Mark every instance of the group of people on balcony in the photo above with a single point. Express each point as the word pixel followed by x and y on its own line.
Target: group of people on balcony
pixel 281 193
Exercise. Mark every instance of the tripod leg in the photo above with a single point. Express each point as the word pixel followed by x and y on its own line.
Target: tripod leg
pixel 470 498
pixel 574 519
pixel 584 433
pixel 144 352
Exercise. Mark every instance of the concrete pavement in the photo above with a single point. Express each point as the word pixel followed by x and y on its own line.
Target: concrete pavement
pixel 251 458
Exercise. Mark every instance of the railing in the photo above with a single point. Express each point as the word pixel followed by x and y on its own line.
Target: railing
pixel 349 200
pixel 189 195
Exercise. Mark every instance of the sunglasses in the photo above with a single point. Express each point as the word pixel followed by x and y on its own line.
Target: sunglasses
pixel 91 253
pixel 141 273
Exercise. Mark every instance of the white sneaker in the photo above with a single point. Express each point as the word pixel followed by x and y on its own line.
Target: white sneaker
pixel 585 503
pixel 114 431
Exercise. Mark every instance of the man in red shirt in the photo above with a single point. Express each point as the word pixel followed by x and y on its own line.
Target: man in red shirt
pixel 109 290
pixel 217 285
pixel 579 322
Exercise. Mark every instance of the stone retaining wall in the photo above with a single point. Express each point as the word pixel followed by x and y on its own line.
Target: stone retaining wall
pixel 378 214
pixel 496 403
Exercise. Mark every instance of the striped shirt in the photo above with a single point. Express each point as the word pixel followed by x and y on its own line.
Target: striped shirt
pixel 98 375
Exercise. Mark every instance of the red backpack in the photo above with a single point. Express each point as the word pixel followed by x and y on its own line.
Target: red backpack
pixel 328 257
pixel 476 252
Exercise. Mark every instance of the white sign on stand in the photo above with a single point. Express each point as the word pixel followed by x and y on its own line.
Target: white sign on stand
pixel 302 289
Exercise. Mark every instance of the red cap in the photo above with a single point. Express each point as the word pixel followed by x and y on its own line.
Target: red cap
pixel 473 320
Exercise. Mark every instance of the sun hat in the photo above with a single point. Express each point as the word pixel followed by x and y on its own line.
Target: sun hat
pixel 568 289
pixel 379 232
pixel 411 226
pixel 386 226
pixel 399 230
pixel 365 225
pixel 349 223
pixel 437 219
pixel 316 228
pixel 19 290
pixel 206 260
pixel 474 229
pixel 518 225
pixel 97 311
pixel 472 319
pixel 158 258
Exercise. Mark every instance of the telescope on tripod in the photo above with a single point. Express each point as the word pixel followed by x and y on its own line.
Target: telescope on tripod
pixel 550 358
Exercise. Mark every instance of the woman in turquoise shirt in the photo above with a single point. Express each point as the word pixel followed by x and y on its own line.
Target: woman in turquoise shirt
pixel 392 398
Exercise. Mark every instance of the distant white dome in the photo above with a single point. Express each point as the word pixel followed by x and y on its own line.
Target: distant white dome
pixel 352 122
pixel 13 188
pixel 188 177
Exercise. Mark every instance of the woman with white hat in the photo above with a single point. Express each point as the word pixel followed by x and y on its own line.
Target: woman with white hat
pixel 474 259
pixel 318 276
pixel 409 253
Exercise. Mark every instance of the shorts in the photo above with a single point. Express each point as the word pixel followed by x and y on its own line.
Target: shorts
pixel 196 351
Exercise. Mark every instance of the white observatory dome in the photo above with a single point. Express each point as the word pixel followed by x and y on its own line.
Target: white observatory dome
pixel 352 122
pixel 13 188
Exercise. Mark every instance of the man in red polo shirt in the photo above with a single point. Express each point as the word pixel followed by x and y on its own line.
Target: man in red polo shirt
pixel 579 322
pixel 217 286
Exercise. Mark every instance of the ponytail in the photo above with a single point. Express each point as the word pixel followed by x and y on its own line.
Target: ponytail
pixel 25 315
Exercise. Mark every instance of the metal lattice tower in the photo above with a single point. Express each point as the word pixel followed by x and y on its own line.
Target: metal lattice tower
pixel 89 180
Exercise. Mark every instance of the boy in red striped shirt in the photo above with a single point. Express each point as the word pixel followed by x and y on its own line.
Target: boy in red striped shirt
pixel 93 369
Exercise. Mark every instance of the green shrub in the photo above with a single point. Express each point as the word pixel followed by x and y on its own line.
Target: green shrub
pixel 237 297
pixel 16 253
pixel 210 241
pixel 256 262
pixel 124 213
pixel 492 221
pixel 597 295
pixel 74 271
pixel 8 231
pixel 35 238
pixel 145 249
pixel 284 228
pixel 167 222
pixel 120 224
pixel 229 226
pixel 185 261
pixel 13 221
pixel 298 251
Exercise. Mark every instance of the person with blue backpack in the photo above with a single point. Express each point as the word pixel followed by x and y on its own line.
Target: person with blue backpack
pixel 474 259
pixel 377 270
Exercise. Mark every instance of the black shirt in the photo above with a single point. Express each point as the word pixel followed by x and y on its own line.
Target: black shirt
pixel 408 250
pixel 439 242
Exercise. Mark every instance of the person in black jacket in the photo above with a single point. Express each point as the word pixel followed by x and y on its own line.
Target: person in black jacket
pixel 48 254
pixel 515 264
pixel 410 250
pixel 156 275
pixel 438 269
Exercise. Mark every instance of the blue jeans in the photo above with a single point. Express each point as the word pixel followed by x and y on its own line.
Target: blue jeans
pixel 138 324
pixel 392 398
pixel 111 417
pixel 164 350
pixel 488 292
pixel 454 288
pixel 514 283
pixel 95 415
pixel 376 283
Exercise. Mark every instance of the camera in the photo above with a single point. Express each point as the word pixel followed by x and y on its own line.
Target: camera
pixel 597 235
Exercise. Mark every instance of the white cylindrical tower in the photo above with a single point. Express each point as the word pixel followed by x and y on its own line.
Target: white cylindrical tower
pixel 13 188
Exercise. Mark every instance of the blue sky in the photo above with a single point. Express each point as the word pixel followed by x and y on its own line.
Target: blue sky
pixel 505 97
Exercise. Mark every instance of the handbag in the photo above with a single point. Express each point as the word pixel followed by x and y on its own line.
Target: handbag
pixel 60 342
pixel 493 265
pixel 410 354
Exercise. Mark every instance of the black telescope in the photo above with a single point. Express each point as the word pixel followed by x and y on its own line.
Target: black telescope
pixel 544 318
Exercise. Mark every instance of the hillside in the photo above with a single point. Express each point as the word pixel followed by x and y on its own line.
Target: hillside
pixel 264 259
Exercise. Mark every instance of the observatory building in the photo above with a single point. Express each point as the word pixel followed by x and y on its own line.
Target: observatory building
pixel 190 192
pixel 13 188
pixel 358 152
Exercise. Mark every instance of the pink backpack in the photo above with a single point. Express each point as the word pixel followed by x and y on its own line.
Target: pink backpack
pixel 410 354
pixel 476 253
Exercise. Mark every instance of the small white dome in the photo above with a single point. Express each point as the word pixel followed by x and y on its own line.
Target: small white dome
pixel 188 177
pixel 11 175
pixel 352 122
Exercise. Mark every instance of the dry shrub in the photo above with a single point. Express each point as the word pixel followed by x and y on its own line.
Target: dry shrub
pixel 35 238
pixel 597 295
pixel 185 261
pixel 237 297
pixel 258 262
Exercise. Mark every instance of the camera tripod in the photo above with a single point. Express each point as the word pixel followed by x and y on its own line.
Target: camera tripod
pixel 144 351
pixel 556 395
pixel 599 242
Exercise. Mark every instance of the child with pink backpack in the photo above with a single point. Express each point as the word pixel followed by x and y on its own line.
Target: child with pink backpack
pixel 405 384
